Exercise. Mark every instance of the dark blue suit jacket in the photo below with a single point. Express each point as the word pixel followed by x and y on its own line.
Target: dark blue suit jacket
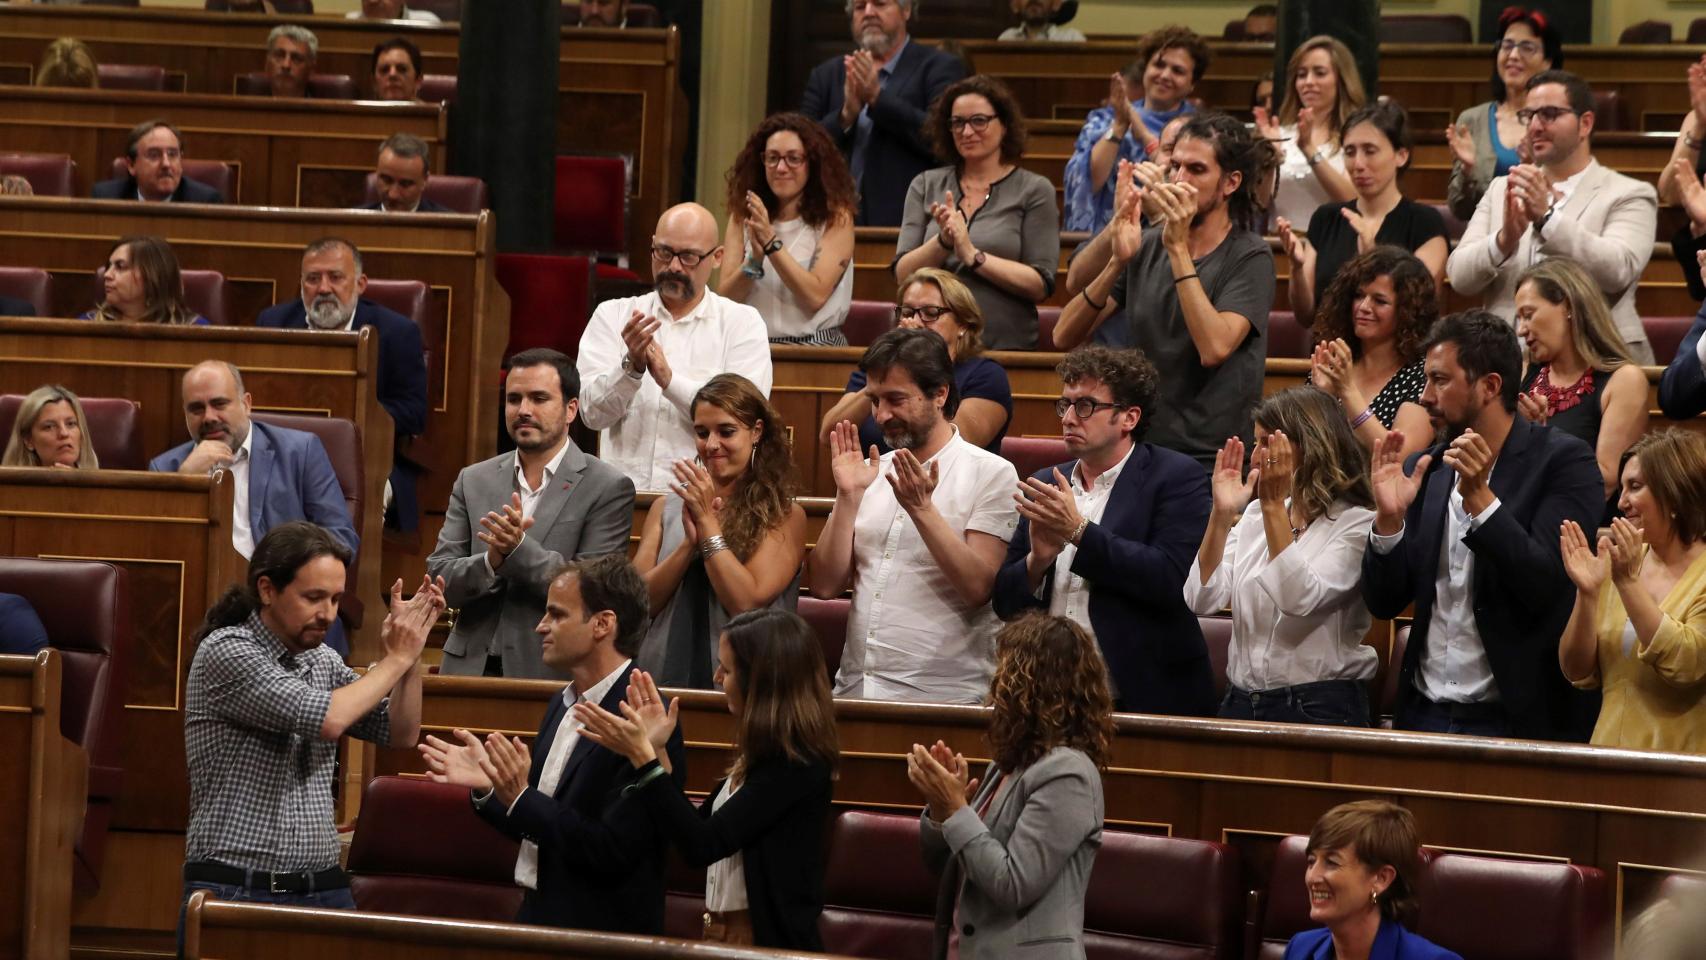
pixel 600 860
pixel 428 205
pixel 1522 596
pixel 21 631
pixel 13 307
pixel 402 384
pixel 899 149
pixel 1393 942
pixel 1136 560
pixel 1682 390
pixel 189 191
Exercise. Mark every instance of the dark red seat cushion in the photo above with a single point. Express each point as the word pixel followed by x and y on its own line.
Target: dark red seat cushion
pixel 465 872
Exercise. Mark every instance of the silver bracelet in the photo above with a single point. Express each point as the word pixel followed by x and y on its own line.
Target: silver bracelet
pixel 711 546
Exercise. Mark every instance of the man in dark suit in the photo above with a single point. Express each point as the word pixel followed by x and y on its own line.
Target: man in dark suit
pixel 1682 389
pixel 1107 539
pixel 13 307
pixel 1469 535
pixel 332 285
pixel 873 101
pixel 588 860
pixel 154 156
pixel 404 167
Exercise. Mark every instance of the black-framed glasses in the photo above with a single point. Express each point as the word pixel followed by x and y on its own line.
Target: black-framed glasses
pixel 1084 407
pixel 689 258
pixel 1547 115
pixel 1528 48
pixel 930 313
pixel 794 161
pixel 977 121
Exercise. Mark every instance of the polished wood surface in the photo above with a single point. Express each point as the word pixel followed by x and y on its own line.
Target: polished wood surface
pixel 44 784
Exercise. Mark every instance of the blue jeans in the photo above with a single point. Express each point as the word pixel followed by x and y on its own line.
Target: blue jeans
pixel 1471 719
pixel 1339 703
pixel 335 899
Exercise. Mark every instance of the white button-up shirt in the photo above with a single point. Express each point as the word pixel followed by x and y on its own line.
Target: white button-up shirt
pixel 1297 617
pixel 725 880
pixel 530 497
pixel 909 637
pixel 643 428
pixel 1070 597
pixel 1454 666
pixel 242 533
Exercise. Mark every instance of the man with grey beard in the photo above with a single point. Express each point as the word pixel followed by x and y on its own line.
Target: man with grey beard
pixel 872 102
pixel 332 288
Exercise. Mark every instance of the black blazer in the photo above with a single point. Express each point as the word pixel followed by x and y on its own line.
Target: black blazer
pixel 776 822
pixel 1136 561
pixel 1682 389
pixel 899 149
pixel 1522 596
pixel 13 307
pixel 189 191
pixel 427 205
pixel 600 866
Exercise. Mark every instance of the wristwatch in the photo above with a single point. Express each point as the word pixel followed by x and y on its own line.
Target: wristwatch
pixel 1113 135
pixel 774 245
pixel 1319 156
pixel 631 370
pixel 977 262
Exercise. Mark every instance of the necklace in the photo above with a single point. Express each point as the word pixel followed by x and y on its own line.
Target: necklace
pixel 1558 399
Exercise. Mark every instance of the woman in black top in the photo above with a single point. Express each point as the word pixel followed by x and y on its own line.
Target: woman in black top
pixel 761 833
pixel 1377 148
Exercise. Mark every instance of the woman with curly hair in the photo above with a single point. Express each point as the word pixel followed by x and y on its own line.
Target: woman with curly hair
pixel 791 202
pixel 1368 345
pixel 981 215
pixel 730 539
pixel 141 283
pixel 1022 840
pixel 1288 562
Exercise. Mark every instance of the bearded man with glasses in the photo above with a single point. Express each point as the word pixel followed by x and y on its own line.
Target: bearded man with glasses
pixel 643 358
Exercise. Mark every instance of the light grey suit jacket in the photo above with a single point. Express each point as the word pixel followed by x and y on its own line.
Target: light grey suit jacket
pixel 1025 865
pixel 1607 225
pixel 586 511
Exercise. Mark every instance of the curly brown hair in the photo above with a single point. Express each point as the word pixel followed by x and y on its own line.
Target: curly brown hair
pixel 1006 107
pixel 1172 37
pixel 1416 300
pixel 763 498
pixel 830 191
pixel 1131 379
pixel 1050 690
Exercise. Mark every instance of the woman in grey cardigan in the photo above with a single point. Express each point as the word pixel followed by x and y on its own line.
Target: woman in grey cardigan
pixel 1487 138
pixel 993 224
pixel 1015 857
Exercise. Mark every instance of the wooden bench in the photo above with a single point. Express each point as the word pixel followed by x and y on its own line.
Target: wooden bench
pixel 43 783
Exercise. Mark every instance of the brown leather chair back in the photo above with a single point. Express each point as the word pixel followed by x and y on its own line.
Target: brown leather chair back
pixel 407 297
pixel 1190 908
pixel 1286 337
pixel 1664 333
pixel 206 293
pixel 49 174
pixel 449 11
pixel 1426 28
pixel 438 87
pixel 1285 912
pixel 28 283
pixel 879 901
pixel 465 873
pixel 460 194
pixel 866 321
pixel 1030 454
pixel 114 428
pixel 131 76
pixel 217 174
pixel 1647 31
pixel 1495 909
pixel 343 447
pixel 828 619
pixel 321 86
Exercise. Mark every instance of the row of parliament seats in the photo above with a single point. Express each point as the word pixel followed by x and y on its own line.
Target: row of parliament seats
pixel 450 11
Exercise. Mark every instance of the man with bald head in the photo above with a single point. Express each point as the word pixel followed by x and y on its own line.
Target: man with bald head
pixel 643 358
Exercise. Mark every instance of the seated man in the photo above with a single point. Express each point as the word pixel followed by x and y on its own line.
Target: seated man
pixel 402 171
pixel 1107 539
pixel 581 864
pixel 1262 22
pixel 396 70
pixel 1468 533
pixel 918 534
pixel 154 156
pixel 21 631
pixel 291 54
pixel 332 287
pixel 516 518
pixel 1036 23
pixel 604 13
pixel 1564 204
pixel 1193 292
pixel 643 358
pixel 391 10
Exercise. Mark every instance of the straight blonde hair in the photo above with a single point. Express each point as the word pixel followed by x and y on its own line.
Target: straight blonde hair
pixel 1351 95
pixel 19 455
pixel 1563 283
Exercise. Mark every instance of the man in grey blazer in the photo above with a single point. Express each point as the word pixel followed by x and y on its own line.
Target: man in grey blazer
pixel 516 518
pixel 1564 204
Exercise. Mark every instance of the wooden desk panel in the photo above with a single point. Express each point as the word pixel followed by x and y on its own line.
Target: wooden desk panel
pixel 43 786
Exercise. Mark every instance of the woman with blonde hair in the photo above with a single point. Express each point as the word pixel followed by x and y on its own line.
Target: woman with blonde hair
pixel 67 62
pixel 1643 642
pixel 51 431
pixel 1582 378
pixel 141 283
pixel 1288 563
pixel 728 539
pixel 1023 839
pixel 1323 88
pixel 935 300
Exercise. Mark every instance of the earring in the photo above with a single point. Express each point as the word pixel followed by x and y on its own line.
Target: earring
pixel 1374 897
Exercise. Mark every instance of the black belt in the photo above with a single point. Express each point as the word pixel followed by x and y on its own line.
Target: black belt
pixel 298 881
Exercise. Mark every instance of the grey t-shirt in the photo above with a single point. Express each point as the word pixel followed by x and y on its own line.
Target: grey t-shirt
pixel 1198 407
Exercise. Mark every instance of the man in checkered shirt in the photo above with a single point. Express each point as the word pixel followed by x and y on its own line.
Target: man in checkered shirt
pixel 265 708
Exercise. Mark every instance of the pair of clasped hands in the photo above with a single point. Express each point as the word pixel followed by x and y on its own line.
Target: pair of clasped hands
pixel 1469 455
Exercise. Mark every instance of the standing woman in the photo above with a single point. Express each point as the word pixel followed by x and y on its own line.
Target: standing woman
pixel 1289 563
pixel 141 283
pixel 1015 856
pixel 1487 138
pixel 981 216
pixel 1368 345
pixel 1644 640
pixel 728 539
pixel 761 834
pixel 51 431
pixel 1323 89
pixel 1377 150
pixel 791 201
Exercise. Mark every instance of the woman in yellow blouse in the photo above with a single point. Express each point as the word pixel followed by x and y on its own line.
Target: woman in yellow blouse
pixel 1644 640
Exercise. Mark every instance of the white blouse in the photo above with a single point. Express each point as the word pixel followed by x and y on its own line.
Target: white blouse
pixel 781 310
pixel 1298 617
pixel 725 880
pixel 1300 191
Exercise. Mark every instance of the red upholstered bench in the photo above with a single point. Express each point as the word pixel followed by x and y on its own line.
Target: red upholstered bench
pixel 420 848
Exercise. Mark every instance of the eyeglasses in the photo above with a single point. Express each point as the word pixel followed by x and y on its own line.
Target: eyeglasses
pixel 1084 407
pixel 1528 48
pixel 1546 115
pixel 793 161
pixel 978 122
pixel 930 313
pixel 689 258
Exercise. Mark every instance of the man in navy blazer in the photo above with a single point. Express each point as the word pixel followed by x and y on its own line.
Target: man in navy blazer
pixel 401 174
pixel 587 859
pixel 1483 651
pixel 1107 539
pixel 332 285
pixel 873 101
pixel 1682 389
pixel 154 157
